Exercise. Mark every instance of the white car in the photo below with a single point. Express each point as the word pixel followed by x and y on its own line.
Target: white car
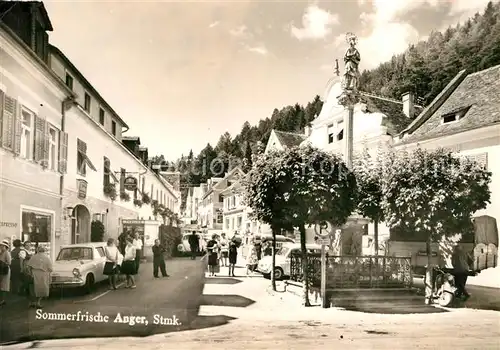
pixel 282 268
pixel 79 266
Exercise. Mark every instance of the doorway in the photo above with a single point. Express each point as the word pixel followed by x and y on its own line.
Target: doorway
pixel 80 228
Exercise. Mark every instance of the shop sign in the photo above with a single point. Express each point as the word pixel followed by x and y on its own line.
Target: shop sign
pixel 81 185
pixel 8 224
pixel 130 183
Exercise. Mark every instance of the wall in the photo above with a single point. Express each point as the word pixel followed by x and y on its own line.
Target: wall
pixel 60 69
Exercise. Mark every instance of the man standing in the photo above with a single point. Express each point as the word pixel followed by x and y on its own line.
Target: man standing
pixel 194 244
pixel 137 242
pixel 159 259
pixel 460 260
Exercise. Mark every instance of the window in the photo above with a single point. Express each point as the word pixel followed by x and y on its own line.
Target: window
pixel 81 165
pixel 226 224
pixel 219 217
pixel 331 133
pixel 101 252
pixel 53 147
pixel 87 102
pixel 221 198
pixel 69 81
pixel 75 253
pixel 113 127
pixel 101 116
pixel 340 135
pixel 239 222
pixel 36 227
pixel 106 172
pixel 450 118
pixel 455 115
pixel 27 144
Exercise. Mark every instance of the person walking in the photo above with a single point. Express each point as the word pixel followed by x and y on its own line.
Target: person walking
pixel 159 259
pixel 460 261
pixel 194 244
pixel 251 259
pixel 40 267
pixel 138 251
pixel 213 256
pixel 233 255
pixel 25 255
pixel 5 261
pixel 110 267
pixel 224 250
pixel 16 267
pixel 128 267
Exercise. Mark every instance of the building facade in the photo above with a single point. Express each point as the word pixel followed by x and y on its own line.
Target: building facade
pixel 31 100
pixel 99 165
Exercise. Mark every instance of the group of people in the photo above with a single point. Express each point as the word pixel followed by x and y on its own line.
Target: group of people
pixel 24 274
pixel 222 252
pixel 124 258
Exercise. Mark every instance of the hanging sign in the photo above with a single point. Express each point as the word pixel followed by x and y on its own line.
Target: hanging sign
pixel 130 183
pixel 82 188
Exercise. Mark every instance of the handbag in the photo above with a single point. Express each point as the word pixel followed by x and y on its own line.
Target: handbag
pixel 4 268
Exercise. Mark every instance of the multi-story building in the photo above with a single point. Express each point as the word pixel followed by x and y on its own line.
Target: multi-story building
pixel 31 120
pixel 99 167
pixel 210 208
pixel 193 198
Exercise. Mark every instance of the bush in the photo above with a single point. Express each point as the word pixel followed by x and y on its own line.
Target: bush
pixel 97 231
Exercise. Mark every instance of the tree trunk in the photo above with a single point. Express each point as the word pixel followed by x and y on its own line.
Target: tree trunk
pixel 305 272
pixel 375 235
pixel 429 285
pixel 273 280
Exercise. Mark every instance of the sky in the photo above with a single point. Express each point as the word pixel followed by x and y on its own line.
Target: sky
pixel 182 73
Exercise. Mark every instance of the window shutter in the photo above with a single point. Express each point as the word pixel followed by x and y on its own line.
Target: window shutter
pixel 82 146
pixel 39 139
pixel 8 122
pixel 2 94
pixel 17 131
pixel 46 144
pixel 63 152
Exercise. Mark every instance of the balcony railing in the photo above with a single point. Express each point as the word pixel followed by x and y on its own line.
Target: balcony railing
pixel 355 271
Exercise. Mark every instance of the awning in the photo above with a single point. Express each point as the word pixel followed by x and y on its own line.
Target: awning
pixel 87 161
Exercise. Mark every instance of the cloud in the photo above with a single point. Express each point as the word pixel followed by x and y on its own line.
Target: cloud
pixel 467 8
pixel 316 24
pixel 259 49
pixel 240 32
pixel 214 24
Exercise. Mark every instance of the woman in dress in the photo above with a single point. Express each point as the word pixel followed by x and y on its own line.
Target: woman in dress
pixel 16 267
pixel 233 255
pixel 128 267
pixel 213 256
pixel 5 261
pixel 252 259
pixel 40 267
pixel 110 267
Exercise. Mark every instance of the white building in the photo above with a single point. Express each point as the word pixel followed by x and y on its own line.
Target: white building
pixel 98 165
pixel 31 99
pixel 193 199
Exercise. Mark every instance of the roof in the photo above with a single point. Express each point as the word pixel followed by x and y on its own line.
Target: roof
pixel 131 138
pixel 87 83
pixel 476 95
pixel 395 120
pixel 233 188
pixel 26 5
pixel 289 139
pixel 220 180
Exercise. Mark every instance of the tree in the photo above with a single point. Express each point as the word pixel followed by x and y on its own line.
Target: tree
pixel 248 158
pixel 369 171
pixel 299 186
pixel 433 193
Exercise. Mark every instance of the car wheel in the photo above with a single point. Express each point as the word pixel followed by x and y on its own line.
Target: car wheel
pixel 278 273
pixel 89 284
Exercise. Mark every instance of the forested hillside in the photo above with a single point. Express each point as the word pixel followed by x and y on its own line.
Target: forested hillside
pixel 424 68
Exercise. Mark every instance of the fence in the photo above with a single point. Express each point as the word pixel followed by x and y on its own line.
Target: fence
pixel 355 271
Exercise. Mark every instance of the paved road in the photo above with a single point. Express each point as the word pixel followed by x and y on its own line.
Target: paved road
pixel 175 298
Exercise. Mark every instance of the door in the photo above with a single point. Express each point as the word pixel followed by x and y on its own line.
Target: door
pixel 99 261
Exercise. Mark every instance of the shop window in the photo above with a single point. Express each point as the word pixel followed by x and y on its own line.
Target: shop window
pixel 36 227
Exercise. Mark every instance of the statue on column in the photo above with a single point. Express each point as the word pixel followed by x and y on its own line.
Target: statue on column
pixel 351 60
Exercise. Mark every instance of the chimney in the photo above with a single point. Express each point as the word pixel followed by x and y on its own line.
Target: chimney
pixel 307 131
pixel 409 104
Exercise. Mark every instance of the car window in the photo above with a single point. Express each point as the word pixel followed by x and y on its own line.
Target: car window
pixel 101 252
pixel 75 253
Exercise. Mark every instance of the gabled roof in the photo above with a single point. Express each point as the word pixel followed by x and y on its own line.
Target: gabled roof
pixel 233 188
pixel 228 176
pixel 476 94
pixel 289 139
pixel 395 120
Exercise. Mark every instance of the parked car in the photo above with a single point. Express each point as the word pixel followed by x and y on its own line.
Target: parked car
pixel 79 266
pixel 186 248
pixel 264 239
pixel 282 268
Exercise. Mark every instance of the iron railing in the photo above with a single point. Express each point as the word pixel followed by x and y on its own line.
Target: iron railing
pixel 355 271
